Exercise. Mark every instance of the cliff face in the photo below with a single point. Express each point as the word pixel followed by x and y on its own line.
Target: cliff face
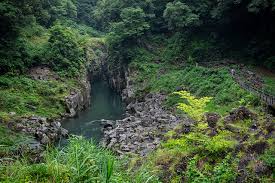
pixel 80 99
pixel 100 68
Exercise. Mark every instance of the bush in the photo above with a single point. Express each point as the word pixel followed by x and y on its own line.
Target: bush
pixel 66 56
pixel 27 49
pixel 203 50
pixel 269 157
pixel 174 49
pixel 200 143
pixel 223 172
pixel 194 107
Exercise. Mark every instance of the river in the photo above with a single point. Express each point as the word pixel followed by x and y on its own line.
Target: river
pixel 105 104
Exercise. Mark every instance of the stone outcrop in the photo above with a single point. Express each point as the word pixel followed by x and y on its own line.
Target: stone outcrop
pixel 42 73
pixel 212 119
pixel 128 93
pixel 78 99
pixel 45 131
pixel 100 68
pixel 143 128
pixel 240 113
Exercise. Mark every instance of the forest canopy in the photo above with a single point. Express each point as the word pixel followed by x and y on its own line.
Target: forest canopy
pixel 190 81
pixel 242 26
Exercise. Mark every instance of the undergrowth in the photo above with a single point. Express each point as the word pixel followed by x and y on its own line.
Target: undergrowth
pixel 10 141
pixel 200 153
pixel 194 107
pixel 200 81
pixel 25 96
pixel 80 161
pixel 201 156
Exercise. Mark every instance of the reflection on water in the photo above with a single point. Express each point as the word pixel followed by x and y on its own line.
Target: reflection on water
pixel 105 104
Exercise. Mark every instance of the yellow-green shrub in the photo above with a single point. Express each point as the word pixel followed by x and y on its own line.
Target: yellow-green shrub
pixel 194 107
pixel 203 144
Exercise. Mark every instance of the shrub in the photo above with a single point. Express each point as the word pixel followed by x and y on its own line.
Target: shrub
pixel 226 171
pixel 269 157
pixel 194 107
pixel 198 142
pixel 66 55
pixel 193 174
pixel 174 49
pixel 220 143
pixel 223 172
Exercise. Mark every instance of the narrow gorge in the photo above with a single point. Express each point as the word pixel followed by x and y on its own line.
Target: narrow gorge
pixel 144 91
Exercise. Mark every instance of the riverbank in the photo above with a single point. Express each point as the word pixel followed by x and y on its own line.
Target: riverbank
pixel 158 139
pixel 35 104
pixel 144 128
pixel 215 125
pixel 183 123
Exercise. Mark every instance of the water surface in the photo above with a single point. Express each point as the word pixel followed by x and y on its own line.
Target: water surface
pixel 105 104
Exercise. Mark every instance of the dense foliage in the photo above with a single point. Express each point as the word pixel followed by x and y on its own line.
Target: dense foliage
pixel 80 161
pixel 245 27
pixel 164 43
pixel 24 35
pixel 65 52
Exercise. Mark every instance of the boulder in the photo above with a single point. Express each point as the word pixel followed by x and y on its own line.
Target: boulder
pixel 212 119
pixel 142 131
pixel 241 113
pixel 45 139
pixel 12 113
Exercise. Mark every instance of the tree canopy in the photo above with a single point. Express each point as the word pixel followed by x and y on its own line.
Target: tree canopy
pixel 245 25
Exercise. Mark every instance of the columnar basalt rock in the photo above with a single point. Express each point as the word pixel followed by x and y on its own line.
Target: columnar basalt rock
pixel 143 128
pixel 79 99
pixel 44 130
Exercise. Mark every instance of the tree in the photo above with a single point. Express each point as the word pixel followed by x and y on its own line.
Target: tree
pixel 179 15
pixel 132 24
pixel 125 34
pixel 107 12
pixel 66 55
pixel 85 10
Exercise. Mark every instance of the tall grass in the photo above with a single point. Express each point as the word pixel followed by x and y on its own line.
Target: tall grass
pixel 80 161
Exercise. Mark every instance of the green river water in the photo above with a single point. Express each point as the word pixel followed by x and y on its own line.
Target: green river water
pixel 105 104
